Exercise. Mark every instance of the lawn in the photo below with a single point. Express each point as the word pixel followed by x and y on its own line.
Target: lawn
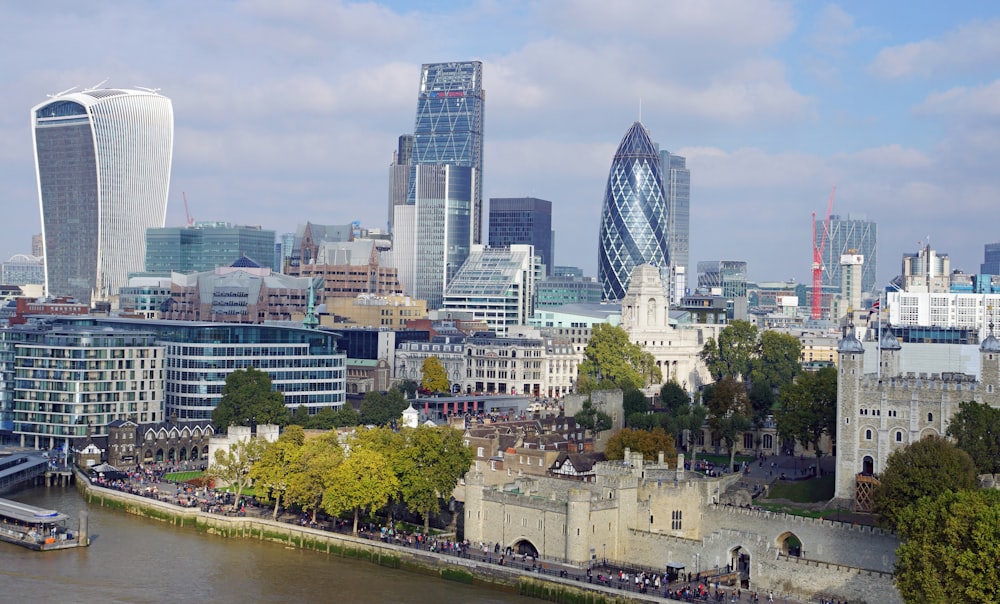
pixel 814 490
pixel 722 460
pixel 183 476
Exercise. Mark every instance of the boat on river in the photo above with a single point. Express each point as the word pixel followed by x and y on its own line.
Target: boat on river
pixel 39 529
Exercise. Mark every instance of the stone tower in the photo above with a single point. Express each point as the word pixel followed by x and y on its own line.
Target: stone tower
pixel 989 369
pixel 850 367
pixel 645 306
pixel 889 355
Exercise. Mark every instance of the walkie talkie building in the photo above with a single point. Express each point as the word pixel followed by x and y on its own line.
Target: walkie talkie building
pixel 102 159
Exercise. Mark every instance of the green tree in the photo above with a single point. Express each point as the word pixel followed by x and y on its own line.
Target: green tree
pixel 762 402
pixel 364 481
pixel 270 474
pixel 232 466
pixel 648 442
pixel 926 468
pixel 379 409
pixel 733 354
pixel 635 407
pixel 318 459
pixel 247 398
pixel 592 419
pixel 976 430
pixel 777 362
pixel 431 463
pixel 808 408
pixel 408 388
pixel 301 417
pixel 950 547
pixel 611 357
pixel 728 412
pixel 435 378
pixel 673 397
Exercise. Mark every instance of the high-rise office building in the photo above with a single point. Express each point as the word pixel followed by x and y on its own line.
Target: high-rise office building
pixel 102 160
pixel 991 259
pixel 205 246
pixel 677 190
pixel 850 236
pixel 634 222
pixel 523 220
pixel 399 174
pixel 449 125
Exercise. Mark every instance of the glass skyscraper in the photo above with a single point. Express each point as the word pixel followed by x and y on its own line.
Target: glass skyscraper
pixel 853 235
pixel 634 221
pixel 102 160
pixel 449 125
pixel 677 190
pixel 523 220
pixel 442 230
pixel 206 246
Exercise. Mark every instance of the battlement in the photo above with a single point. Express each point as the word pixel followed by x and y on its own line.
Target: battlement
pixel 922 381
pixel 802 520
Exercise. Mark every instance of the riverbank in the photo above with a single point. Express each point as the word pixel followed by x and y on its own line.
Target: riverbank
pixel 507 578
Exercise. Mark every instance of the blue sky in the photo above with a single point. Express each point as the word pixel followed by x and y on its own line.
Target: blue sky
pixel 289 111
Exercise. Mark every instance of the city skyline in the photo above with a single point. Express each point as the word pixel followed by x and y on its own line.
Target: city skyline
pixel 290 113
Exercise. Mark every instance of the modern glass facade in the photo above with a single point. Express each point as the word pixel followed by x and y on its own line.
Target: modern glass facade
pixel 991 259
pixel 207 246
pixel 303 364
pixel 449 125
pixel 523 220
pixel 443 228
pixel 853 235
pixel 634 221
pixel 496 285
pixel 22 270
pixel 677 190
pixel 102 161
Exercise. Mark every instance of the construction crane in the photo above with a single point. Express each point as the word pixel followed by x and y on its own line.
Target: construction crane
pixel 817 265
pixel 190 221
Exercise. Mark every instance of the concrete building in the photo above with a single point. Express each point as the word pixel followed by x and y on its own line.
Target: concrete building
pixel 496 285
pixel 925 271
pixel 129 444
pixel 348 269
pixel 884 411
pixel 369 310
pixel 102 160
pixel 20 269
pixel 240 293
pixel 847 306
pixel 561 290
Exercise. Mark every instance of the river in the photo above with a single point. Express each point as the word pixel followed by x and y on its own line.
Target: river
pixel 133 559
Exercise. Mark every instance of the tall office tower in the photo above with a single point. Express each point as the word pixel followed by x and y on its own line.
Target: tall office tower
pixel 102 159
pixel 37 245
pixel 206 246
pixel 523 220
pixel 399 174
pixel 849 300
pixel 449 125
pixel 634 221
pixel 853 235
pixel 677 190
pixel 434 235
pixel 991 259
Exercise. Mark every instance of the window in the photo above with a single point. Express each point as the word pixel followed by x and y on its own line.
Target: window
pixel 930 417
pixel 676 520
pixel 868 434
pixel 899 436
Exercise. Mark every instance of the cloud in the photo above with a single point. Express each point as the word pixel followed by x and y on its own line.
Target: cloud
pixel 972 47
pixel 964 102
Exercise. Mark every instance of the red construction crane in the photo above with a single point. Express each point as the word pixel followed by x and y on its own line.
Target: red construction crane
pixel 817 267
pixel 190 221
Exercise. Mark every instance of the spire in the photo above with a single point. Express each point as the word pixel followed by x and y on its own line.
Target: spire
pixel 311 321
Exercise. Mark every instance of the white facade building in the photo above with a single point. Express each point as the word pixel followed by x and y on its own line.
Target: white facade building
pixel 495 285
pixel 102 161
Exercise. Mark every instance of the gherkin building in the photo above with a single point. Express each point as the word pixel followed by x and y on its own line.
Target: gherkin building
pixel 634 222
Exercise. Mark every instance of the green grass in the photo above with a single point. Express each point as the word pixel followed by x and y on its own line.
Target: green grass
pixel 183 476
pixel 814 490
pixel 722 460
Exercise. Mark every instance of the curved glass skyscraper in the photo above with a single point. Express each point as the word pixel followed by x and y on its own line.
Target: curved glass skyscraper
pixel 102 159
pixel 634 221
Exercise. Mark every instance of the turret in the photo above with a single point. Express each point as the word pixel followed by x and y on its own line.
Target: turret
pixel 850 366
pixel 889 354
pixel 989 368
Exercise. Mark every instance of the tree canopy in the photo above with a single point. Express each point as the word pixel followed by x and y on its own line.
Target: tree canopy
pixel 777 361
pixel 733 353
pixel 278 461
pixel 247 398
pixel 648 442
pixel 364 480
pixel 926 468
pixel 976 430
pixel 729 412
pixel 433 461
pixel 950 547
pixel 673 397
pixel 611 357
pixel 307 483
pixel 592 419
pixel 435 378
pixel 233 465
pixel 808 408
pixel 379 409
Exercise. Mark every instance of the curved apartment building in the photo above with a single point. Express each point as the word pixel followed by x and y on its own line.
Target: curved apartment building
pixel 102 160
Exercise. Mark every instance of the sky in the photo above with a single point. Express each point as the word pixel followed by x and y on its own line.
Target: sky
pixel 287 112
